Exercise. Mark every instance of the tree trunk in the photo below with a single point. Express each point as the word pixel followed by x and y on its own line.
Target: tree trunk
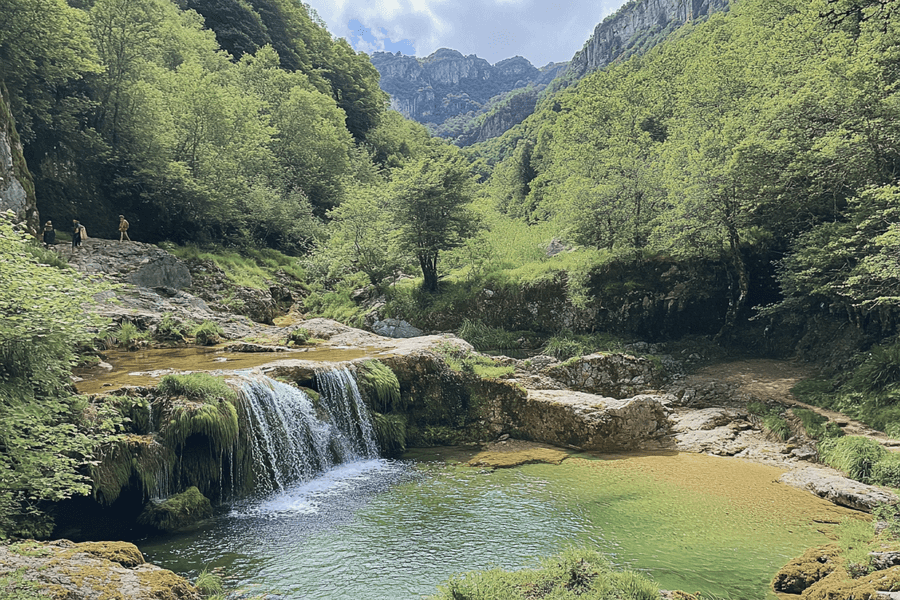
pixel 737 305
pixel 428 262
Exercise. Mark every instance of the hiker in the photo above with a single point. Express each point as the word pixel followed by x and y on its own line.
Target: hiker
pixel 49 234
pixel 76 234
pixel 123 229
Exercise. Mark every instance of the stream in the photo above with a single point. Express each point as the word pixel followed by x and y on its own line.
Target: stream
pixel 379 529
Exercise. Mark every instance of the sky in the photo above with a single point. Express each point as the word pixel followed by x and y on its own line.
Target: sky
pixel 542 31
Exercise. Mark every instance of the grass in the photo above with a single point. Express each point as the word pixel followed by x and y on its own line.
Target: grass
pixel 128 335
pixel 209 583
pixel 854 455
pixel 583 574
pixel 463 361
pixel 13 586
pixel 568 345
pixel 252 268
pixel 772 419
pixel 485 337
pixel 298 337
pixel 197 386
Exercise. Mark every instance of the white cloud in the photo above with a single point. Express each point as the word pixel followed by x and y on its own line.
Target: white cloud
pixel 540 30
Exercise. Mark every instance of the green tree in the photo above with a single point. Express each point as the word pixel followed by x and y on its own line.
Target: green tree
pixel 45 436
pixel 430 200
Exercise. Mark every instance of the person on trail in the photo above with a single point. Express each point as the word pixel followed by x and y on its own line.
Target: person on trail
pixel 49 234
pixel 123 229
pixel 76 234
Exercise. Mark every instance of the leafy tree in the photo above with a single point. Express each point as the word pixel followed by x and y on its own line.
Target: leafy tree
pixel 430 206
pixel 46 436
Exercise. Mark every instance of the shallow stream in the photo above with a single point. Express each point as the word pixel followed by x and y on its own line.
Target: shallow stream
pixel 394 530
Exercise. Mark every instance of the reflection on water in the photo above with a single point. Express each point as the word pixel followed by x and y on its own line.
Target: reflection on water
pixel 145 367
pixel 394 530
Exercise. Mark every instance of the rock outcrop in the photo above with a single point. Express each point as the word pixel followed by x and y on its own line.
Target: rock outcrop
pixel 93 571
pixel 831 485
pixel 447 84
pixel 142 265
pixel 16 184
pixel 637 26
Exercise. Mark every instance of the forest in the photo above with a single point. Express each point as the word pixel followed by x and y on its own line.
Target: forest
pixel 758 151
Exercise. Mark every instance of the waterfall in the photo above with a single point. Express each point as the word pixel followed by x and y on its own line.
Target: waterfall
pixel 292 438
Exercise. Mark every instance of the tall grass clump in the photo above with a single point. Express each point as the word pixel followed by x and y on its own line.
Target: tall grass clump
pixel 485 337
pixel 209 583
pixel 566 344
pixel 170 329
pixel 854 455
pixel 128 335
pixel 772 419
pixel 573 574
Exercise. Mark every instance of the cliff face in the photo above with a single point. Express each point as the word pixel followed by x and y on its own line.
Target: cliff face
pixel 447 84
pixel 635 27
pixel 16 185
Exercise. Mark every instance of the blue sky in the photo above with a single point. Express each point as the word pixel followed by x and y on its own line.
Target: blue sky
pixel 542 31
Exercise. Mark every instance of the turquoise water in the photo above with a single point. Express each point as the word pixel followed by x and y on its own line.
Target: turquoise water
pixel 386 530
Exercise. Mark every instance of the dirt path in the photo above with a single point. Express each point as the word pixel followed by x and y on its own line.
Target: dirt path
pixel 772 380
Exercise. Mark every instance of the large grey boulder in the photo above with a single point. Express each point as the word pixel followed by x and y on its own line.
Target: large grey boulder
pixel 396 328
pixel 143 265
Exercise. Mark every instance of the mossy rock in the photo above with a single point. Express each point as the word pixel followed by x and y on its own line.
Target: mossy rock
pixel 177 512
pixel 887 580
pixel 166 585
pixel 123 553
pixel 838 585
pixel 802 572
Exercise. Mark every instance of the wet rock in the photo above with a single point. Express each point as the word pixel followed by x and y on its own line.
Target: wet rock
pixel 831 485
pixel 94 571
pixel 176 512
pixel 250 347
pixel 396 328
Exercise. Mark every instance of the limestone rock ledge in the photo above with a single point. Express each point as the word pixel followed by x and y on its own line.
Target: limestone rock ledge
pixel 93 571
pixel 831 485
pixel 590 422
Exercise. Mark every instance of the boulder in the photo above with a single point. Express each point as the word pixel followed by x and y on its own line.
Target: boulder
pixel 613 375
pixel 176 512
pixel 92 571
pixel 396 328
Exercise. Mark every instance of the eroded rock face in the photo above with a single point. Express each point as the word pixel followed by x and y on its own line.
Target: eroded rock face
pixel 613 375
pixel 94 571
pixel 16 185
pixel 627 29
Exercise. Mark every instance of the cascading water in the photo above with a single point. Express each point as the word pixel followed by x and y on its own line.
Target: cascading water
pixel 292 439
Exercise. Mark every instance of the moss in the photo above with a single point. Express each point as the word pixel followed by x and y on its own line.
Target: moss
pixel 122 553
pixel 136 457
pixel 207 333
pixel 196 386
pixel 380 385
pixel 885 581
pixel 802 572
pixel 166 585
pixel 177 512
pixel 390 431
pixel 838 585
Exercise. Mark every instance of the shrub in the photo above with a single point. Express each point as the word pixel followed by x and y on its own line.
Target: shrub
pixel 207 333
pixel 817 427
pixel 887 471
pixel 129 335
pixel 880 371
pixel 854 455
pixel 169 330
pixel 298 337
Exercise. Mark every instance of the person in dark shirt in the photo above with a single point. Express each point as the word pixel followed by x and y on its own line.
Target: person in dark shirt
pixel 76 234
pixel 49 234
